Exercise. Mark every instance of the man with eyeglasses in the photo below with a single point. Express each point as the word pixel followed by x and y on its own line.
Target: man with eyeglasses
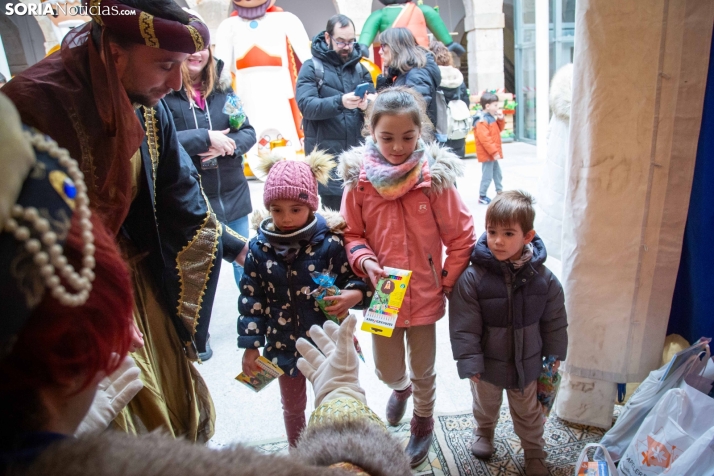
pixel 333 115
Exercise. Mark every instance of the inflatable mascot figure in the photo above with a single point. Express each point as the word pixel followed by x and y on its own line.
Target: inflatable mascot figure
pixel 420 19
pixel 265 47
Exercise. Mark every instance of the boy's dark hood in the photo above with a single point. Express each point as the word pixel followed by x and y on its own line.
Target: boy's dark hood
pixel 482 256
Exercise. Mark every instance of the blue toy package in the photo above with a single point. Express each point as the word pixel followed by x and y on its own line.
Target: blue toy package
pixel 234 109
pixel 326 287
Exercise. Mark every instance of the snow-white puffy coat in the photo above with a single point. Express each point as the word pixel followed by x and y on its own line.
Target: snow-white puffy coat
pixel 551 191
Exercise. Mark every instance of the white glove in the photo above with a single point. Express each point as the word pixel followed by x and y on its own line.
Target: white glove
pixel 334 372
pixel 114 393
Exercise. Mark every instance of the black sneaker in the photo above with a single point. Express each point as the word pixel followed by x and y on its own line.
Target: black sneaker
pixel 204 356
pixel 484 200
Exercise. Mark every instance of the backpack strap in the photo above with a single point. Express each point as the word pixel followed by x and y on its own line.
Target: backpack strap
pixel 319 72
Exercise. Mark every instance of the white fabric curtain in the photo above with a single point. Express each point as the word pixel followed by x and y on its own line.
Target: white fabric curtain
pixel 640 72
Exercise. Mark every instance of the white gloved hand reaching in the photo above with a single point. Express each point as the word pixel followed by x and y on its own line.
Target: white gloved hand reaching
pixel 114 392
pixel 333 370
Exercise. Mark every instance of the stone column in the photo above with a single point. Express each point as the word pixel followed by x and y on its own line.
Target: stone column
pixel 484 23
pixel 357 10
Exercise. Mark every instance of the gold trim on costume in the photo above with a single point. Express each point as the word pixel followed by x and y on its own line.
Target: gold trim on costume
pixel 152 140
pixel 197 38
pixel 146 28
pixel 94 7
pixel 87 162
pixel 350 468
pixel 343 409
pixel 194 264
pixel 57 179
pixel 236 235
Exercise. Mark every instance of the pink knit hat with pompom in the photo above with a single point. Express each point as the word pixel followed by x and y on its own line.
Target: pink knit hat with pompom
pixel 291 180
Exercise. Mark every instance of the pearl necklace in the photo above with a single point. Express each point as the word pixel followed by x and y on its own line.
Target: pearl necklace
pixel 47 254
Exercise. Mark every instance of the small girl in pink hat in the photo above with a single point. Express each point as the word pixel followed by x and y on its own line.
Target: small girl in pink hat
pixel 276 305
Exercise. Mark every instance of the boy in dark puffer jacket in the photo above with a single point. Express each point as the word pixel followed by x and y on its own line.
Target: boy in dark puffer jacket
pixel 276 304
pixel 506 313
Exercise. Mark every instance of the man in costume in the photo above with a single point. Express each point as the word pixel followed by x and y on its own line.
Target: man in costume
pixel 100 97
pixel 85 324
pixel 419 19
pixel 263 46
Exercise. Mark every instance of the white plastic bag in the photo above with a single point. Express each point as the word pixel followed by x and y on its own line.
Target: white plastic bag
pixel 617 439
pixel 672 432
pixel 604 467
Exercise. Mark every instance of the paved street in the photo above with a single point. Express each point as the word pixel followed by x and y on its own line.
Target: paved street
pixel 245 416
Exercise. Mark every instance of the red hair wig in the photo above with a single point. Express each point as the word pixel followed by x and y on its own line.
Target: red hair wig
pixel 59 343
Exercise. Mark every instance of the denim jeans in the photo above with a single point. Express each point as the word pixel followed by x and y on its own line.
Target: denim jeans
pixel 240 226
pixel 490 170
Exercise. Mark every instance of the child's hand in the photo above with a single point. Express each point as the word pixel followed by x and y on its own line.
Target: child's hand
pixel 250 366
pixel 342 303
pixel 373 270
pixel 499 114
pixel 476 378
pixel 556 365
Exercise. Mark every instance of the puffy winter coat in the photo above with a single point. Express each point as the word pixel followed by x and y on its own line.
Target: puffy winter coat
pixel 275 304
pixel 488 138
pixel 326 123
pixel 453 86
pixel 502 322
pixel 411 231
pixel 423 80
pixel 226 186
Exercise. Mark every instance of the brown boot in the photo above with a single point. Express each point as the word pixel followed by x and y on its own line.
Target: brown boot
pixel 397 405
pixel 422 429
pixel 535 463
pixel 482 447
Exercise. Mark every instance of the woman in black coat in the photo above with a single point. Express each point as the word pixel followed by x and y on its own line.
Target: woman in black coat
pixel 408 64
pixel 214 146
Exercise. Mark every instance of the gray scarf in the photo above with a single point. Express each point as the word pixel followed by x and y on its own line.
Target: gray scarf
pixel 526 256
pixel 288 244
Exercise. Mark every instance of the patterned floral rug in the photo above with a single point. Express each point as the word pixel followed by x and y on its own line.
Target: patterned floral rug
pixel 450 454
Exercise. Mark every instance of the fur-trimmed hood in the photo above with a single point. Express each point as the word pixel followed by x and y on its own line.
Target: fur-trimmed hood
pixel 335 221
pixel 116 454
pixel 444 166
pixel 561 92
pixel 450 77
pixel 224 77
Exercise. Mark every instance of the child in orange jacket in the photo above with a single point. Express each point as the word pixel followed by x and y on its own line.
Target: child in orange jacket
pixel 488 145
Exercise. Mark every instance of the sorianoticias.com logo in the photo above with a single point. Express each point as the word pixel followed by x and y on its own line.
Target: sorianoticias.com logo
pixel 57 8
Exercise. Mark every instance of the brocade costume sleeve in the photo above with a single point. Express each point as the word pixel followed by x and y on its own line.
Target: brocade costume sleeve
pixel 185 250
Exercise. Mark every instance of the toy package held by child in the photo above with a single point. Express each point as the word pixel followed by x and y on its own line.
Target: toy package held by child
pixel 326 287
pixel 267 372
pixel 548 384
pixel 381 317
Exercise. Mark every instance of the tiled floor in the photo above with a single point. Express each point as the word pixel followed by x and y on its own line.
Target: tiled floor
pixel 246 416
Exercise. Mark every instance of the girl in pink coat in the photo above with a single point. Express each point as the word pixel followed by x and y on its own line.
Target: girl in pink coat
pixel 402 209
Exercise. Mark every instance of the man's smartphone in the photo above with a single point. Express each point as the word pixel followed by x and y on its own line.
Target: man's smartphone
pixel 361 90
